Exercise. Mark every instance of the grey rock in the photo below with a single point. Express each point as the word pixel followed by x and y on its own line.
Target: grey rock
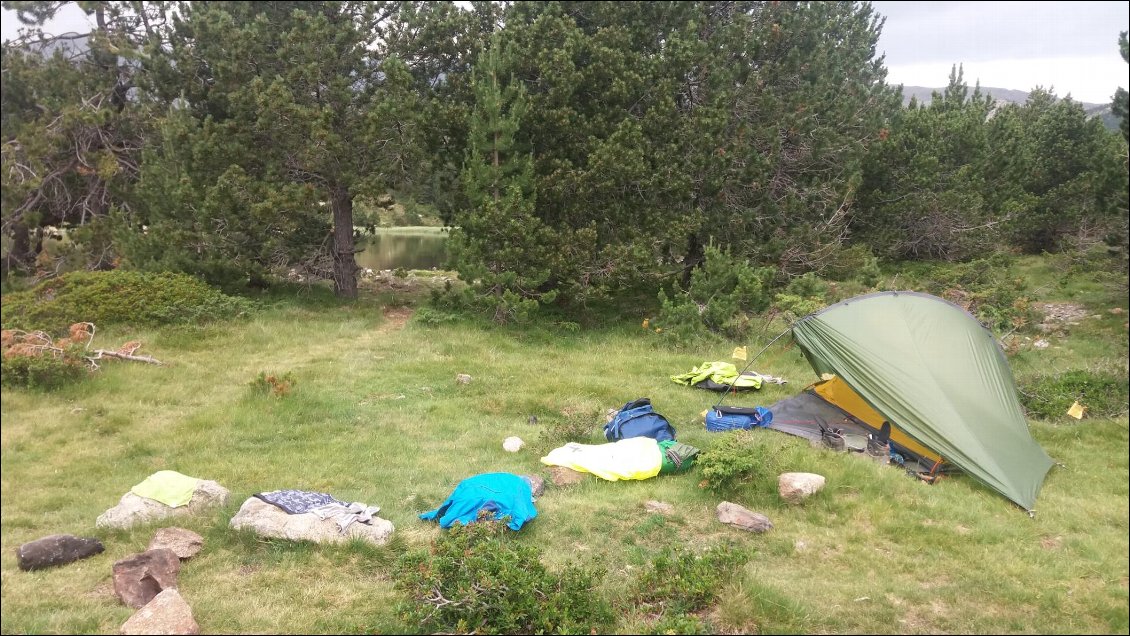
pixel 167 613
pixel 133 510
pixel 57 549
pixel 537 484
pixel 740 517
pixel 268 520
pixel 139 578
pixel 185 543
pixel 796 487
pixel 462 378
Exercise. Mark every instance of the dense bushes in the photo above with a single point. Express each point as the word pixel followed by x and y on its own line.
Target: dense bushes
pixel 726 295
pixel 986 287
pixel 106 298
pixel 479 579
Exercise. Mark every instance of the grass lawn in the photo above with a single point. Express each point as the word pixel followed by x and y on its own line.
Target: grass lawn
pixel 377 416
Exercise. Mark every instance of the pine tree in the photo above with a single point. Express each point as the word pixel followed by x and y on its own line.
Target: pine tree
pixel 500 246
pixel 923 194
pixel 73 128
pixel 292 99
pixel 1121 97
pixel 1058 170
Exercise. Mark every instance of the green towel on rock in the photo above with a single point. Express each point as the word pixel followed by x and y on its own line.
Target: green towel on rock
pixel 167 486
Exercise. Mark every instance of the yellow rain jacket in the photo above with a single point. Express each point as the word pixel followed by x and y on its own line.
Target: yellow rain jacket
pixel 721 373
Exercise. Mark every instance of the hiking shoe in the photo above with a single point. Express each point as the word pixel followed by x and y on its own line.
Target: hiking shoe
pixel 834 441
pixel 878 450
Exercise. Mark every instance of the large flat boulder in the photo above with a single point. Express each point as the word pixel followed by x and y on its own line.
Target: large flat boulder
pixel 268 520
pixel 134 510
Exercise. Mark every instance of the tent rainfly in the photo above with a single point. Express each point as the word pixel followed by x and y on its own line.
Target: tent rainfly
pixel 934 372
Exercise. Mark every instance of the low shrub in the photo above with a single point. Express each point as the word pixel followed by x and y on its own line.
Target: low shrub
pixel 479 579
pixel 1104 393
pixel 680 624
pixel 105 298
pixel 855 263
pixel 431 316
pixel 739 459
pixel 36 360
pixel 574 426
pixel 804 295
pixel 40 372
pixel 679 581
pixel 719 299
pixel 274 384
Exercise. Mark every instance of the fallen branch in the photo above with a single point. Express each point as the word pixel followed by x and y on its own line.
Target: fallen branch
pixel 39 343
pixel 99 353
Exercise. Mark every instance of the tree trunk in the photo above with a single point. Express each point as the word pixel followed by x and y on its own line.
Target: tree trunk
pixel 692 259
pixel 19 257
pixel 345 265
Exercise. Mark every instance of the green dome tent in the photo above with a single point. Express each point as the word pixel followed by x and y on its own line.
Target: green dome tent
pixel 933 371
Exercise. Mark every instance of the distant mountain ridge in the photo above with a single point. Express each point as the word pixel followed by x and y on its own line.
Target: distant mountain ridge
pixel 924 95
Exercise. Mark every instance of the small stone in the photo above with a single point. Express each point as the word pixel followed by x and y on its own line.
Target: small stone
pixel 796 487
pixel 658 507
pixel 185 543
pixel 57 549
pixel 462 378
pixel 537 484
pixel 167 613
pixel 141 577
pixel 740 517
pixel 1041 344
pixel 512 444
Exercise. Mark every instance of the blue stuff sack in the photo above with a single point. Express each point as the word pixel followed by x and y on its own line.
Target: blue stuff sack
pixel 728 419
pixel 638 419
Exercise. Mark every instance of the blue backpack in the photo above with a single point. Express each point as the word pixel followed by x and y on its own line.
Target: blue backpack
pixel 638 419
pixel 736 417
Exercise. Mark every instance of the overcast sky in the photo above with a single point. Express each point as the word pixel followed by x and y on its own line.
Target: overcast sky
pixel 1071 47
